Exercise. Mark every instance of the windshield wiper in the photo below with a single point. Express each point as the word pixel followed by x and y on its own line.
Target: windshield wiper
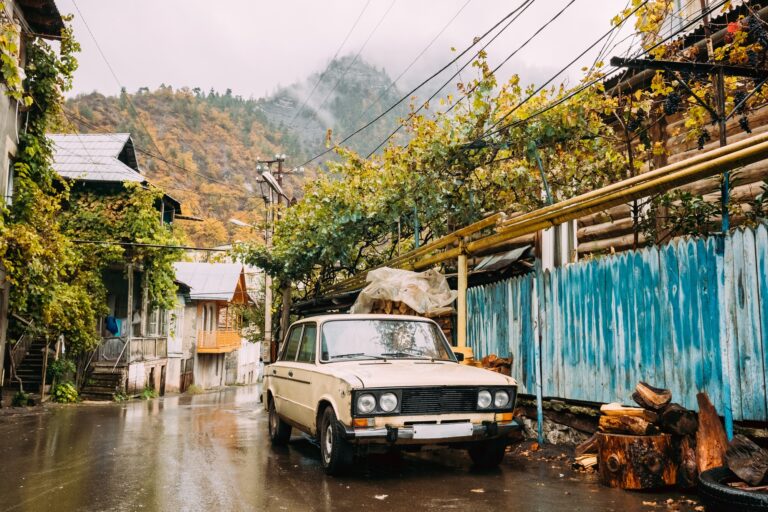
pixel 358 354
pixel 402 354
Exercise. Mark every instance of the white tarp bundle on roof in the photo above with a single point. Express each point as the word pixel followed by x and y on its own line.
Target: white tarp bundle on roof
pixel 421 291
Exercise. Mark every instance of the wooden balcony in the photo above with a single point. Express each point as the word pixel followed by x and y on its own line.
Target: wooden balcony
pixel 217 342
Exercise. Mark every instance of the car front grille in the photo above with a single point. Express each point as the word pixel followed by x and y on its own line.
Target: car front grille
pixel 438 400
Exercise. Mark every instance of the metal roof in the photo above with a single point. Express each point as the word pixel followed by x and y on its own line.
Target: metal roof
pixel 94 157
pixel 209 281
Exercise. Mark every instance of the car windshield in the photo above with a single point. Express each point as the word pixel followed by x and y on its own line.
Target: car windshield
pixel 388 339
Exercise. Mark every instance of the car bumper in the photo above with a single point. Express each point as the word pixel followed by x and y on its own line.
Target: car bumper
pixel 410 434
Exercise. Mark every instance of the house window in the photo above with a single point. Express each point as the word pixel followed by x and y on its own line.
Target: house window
pixel 157 324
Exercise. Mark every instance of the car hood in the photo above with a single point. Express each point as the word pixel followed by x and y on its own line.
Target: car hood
pixel 411 373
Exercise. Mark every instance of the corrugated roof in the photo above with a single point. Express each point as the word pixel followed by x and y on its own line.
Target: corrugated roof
pixel 209 281
pixel 93 157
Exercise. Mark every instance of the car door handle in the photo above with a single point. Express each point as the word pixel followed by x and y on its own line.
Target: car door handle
pixel 290 374
pixel 274 372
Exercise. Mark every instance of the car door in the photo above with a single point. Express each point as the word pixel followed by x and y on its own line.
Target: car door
pixel 278 372
pixel 304 373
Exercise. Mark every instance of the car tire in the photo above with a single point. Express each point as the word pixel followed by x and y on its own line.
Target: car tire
pixel 488 454
pixel 719 496
pixel 336 453
pixel 279 431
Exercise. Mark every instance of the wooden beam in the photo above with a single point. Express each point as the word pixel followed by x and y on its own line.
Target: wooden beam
pixel 461 302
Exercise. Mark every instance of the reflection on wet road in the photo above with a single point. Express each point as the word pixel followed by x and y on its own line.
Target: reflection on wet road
pixel 211 452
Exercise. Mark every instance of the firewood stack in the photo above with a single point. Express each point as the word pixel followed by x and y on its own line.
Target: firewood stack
pixel 496 364
pixel 657 444
pixel 443 316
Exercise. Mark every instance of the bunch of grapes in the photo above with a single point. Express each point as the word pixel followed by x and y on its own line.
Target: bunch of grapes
pixel 636 121
pixel 672 103
pixel 703 138
pixel 753 58
pixel 757 31
pixel 738 97
pixel 744 124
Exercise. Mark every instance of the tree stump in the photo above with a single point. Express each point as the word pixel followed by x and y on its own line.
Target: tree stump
pixel 636 462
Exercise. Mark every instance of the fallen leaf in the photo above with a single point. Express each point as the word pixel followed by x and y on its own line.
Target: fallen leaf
pixel 381 496
pixel 477 490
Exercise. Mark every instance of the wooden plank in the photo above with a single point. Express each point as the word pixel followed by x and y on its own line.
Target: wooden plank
pixel 745 306
pixel 731 325
pixel 761 256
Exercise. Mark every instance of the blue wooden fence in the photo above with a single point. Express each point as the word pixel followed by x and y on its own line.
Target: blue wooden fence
pixel 689 316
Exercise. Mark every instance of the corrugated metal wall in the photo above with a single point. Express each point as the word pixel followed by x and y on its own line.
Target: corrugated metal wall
pixel 684 316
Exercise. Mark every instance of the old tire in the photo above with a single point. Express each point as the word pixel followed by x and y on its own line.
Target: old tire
pixel 719 496
pixel 488 454
pixel 336 453
pixel 279 431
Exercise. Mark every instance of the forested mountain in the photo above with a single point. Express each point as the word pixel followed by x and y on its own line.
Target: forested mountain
pixel 203 147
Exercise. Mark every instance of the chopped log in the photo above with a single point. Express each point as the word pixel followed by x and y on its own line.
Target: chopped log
pixel 687 473
pixel 626 425
pixel 676 419
pixel 587 447
pixel 585 461
pixel 747 460
pixel 636 462
pixel 711 441
pixel 616 409
pixel 650 397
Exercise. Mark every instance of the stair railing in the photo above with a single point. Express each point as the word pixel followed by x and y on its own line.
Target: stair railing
pixel 19 351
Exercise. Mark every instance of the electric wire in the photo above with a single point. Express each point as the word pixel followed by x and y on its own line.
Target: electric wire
pixel 357 56
pixel 420 85
pixel 413 62
pixel 450 79
pixel 336 54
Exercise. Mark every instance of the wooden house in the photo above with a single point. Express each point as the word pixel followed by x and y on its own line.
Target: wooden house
pixel 212 324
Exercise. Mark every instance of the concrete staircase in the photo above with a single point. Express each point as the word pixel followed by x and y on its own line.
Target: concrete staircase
pixel 104 381
pixel 30 370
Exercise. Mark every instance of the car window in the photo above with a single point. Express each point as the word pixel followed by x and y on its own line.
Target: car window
pixel 307 350
pixel 292 345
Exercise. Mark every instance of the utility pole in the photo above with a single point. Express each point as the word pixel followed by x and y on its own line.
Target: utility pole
pixel 275 193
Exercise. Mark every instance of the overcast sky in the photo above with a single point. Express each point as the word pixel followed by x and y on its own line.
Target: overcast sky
pixel 254 46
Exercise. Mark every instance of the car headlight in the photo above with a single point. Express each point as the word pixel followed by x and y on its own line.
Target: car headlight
pixel 500 399
pixel 388 402
pixel 366 403
pixel 484 399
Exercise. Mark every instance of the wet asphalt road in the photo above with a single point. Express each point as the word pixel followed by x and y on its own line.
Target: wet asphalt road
pixel 211 452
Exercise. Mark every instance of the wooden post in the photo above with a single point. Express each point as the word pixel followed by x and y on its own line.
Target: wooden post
pixel 129 335
pixel 538 304
pixel 461 328
pixel 45 370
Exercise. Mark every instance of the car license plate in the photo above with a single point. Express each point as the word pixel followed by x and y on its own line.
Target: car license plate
pixel 442 431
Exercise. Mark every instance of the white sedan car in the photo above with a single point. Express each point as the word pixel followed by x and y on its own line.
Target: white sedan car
pixel 384 381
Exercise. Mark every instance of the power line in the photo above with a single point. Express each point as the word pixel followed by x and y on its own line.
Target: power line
pixel 420 85
pixel 114 75
pixel 448 81
pixel 415 59
pixel 322 75
pixel 602 78
pixel 155 246
pixel 562 70
pixel 352 62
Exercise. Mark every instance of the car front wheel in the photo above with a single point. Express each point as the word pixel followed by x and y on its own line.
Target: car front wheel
pixel 488 454
pixel 336 453
pixel 279 431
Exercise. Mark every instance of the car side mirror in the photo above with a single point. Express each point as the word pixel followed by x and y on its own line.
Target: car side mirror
pixel 459 356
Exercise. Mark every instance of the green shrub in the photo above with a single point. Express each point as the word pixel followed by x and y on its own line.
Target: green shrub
pixel 21 399
pixel 65 393
pixel 60 369
pixel 120 397
pixel 194 389
pixel 148 393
